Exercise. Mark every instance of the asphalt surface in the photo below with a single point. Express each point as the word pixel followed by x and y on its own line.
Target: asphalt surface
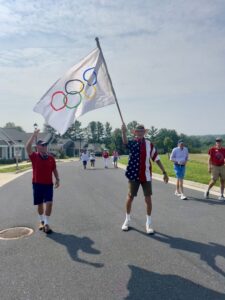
pixel 89 257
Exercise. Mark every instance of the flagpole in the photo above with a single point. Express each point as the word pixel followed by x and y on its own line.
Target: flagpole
pixel 113 91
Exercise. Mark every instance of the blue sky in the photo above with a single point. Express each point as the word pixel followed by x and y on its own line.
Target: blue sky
pixel 166 59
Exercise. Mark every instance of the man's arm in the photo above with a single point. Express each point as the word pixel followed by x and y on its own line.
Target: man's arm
pixel 56 174
pixel 124 133
pixel 172 156
pixel 165 176
pixel 209 164
pixel 30 141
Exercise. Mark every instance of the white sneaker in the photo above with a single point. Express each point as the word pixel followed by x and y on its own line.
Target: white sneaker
pixel 125 225
pixel 206 194
pixel 149 229
pixel 221 197
pixel 177 194
pixel 183 197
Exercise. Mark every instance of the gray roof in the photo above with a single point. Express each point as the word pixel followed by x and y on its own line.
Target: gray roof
pixel 14 136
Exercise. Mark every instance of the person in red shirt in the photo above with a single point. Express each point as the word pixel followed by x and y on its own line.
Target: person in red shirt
pixel 44 166
pixel 105 155
pixel 216 166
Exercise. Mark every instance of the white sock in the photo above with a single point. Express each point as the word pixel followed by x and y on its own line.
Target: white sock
pixel 46 220
pixel 41 218
pixel 127 217
pixel 148 220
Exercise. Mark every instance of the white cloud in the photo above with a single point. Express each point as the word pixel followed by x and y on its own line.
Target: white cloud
pixel 154 49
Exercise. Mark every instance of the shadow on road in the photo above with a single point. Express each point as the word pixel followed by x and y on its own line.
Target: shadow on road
pixel 74 244
pixel 207 252
pixel 144 284
pixel 210 201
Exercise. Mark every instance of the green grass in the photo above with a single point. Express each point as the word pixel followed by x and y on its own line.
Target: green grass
pixel 14 169
pixel 196 170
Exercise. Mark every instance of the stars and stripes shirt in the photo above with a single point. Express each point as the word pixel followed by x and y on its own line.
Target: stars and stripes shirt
pixel 141 151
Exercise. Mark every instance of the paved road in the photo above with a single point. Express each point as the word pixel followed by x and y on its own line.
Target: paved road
pixel 89 257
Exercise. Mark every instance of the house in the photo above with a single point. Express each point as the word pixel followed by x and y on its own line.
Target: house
pixel 13 142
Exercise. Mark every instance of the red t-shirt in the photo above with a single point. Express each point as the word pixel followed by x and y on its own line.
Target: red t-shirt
pixel 105 154
pixel 42 168
pixel 217 156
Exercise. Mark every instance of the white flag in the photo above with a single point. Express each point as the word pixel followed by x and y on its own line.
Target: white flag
pixel 83 88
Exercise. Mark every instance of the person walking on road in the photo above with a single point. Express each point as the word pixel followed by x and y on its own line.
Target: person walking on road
pixel 115 157
pixel 44 165
pixel 105 155
pixel 179 157
pixel 216 167
pixel 92 159
pixel 85 158
pixel 138 172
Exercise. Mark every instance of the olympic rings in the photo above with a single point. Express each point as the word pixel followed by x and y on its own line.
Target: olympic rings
pixel 90 97
pixel 94 72
pixel 76 105
pixel 65 100
pixel 74 92
pixel 82 86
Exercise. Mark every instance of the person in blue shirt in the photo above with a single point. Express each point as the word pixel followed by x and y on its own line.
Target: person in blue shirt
pixel 179 157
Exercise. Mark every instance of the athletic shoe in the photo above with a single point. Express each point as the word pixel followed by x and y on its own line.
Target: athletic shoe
pixel 206 194
pixel 177 194
pixel 221 198
pixel 41 225
pixel 125 225
pixel 183 197
pixel 47 229
pixel 149 229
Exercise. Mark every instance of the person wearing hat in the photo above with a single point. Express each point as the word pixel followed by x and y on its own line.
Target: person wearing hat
pixel 179 157
pixel 138 172
pixel 216 167
pixel 44 166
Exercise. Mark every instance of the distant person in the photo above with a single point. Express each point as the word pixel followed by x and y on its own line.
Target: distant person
pixel 44 166
pixel 105 155
pixel 179 157
pixel 138 172
pixel 92 159
pixel 115 157
pixel 216 167
pixel 85 158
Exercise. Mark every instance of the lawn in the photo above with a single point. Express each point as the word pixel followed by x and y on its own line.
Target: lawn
pixel 197 167
pixel 13 169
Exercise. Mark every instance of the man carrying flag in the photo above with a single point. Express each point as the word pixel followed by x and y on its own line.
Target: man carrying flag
pixel 139 172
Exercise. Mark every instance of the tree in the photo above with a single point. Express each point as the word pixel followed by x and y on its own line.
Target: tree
pixel 74 132
pixel 131 126
pixel 152 133
pixel 168 144
pixel 117 142
pixel 99 132
pixel 107 134
pixel 92 129
pixel 50 130
pixel 162 134
pixel 12 125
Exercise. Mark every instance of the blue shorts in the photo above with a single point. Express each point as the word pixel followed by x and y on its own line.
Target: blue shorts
pixel 42 193
pixel 179 171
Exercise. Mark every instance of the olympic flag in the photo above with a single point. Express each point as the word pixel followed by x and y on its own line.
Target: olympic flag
pixel 84 87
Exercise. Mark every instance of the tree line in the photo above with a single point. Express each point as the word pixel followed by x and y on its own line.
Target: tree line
pixel 98 133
